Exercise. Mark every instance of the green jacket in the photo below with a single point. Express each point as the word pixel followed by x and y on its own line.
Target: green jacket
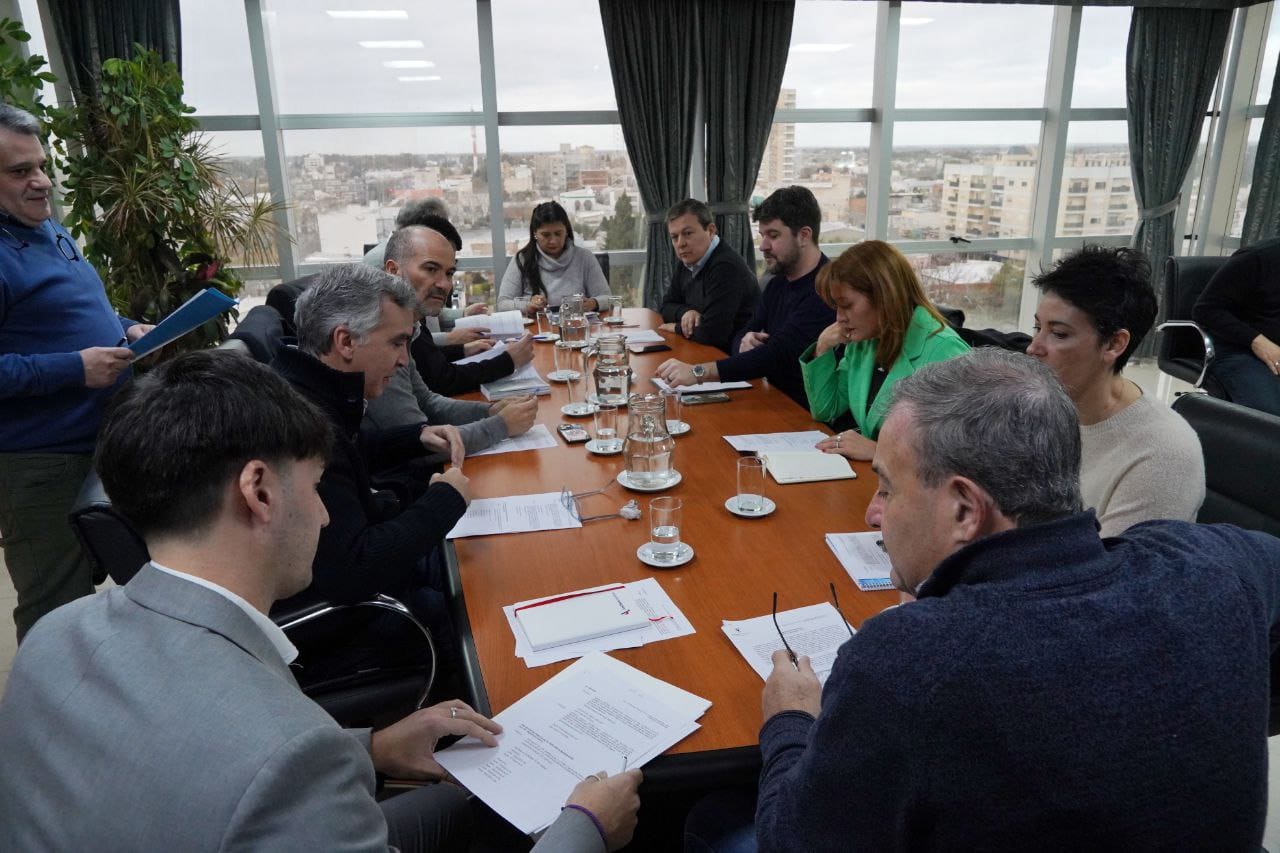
pixel 835 388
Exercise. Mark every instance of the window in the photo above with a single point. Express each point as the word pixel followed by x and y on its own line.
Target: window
pixel 1267 75
pixel 1100 58
pixel 217 71
pixel 1246 178
pixel 832 161
pixel 1097 179
pixel 551 55
pixel 987 286
pixel 240 155
pixel 831 62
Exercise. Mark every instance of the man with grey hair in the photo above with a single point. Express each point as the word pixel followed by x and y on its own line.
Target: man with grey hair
pixel 62 354
pixel 354 325
pixel 1048 689
pixel 712 292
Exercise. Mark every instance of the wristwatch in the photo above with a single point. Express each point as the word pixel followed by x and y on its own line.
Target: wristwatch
pixel 699 371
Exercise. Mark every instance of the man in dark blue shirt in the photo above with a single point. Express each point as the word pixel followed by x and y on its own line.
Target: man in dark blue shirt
pixel 790 314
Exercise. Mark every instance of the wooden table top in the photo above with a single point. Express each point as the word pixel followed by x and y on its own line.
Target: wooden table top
pixel 738 563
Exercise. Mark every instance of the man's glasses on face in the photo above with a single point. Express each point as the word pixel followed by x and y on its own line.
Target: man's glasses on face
pixel 835 600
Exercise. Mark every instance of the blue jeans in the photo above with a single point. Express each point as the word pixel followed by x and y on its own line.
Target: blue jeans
pixel 722 822
pixel 1246 379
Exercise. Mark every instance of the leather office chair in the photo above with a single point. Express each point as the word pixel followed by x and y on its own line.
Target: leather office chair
pixel 365 696
pixel 1184 348
pixel 603 260
pixel 1240 446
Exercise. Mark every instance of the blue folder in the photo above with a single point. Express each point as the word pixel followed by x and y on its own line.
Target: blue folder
pixel 204 306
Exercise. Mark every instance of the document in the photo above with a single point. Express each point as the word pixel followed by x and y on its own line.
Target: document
pixel 525 380
pixel 504 324
pixel 764 441
pixel 863 557
pixel 701 387
pixel 646 597
pixel 202 307
pixel 817 631
pixel 578 616
pixel 517 514
pixel 484 355
pixel 806 466
pixel 537 438
pixel 637 336
pixel 592 716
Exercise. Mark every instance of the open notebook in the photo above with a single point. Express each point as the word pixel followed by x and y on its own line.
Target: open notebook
pixel 806 466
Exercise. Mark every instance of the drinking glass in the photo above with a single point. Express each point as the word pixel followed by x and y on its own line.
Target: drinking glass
pixel 751 482
pixel 544 323
pixel 664 527
pixel 606 427
pixel 565 358
pixel 675 408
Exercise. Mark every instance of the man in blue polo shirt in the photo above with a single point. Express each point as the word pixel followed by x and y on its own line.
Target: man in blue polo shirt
pixel 62 353
pixel 790 314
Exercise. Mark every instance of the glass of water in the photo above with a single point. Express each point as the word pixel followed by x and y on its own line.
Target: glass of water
pixel 566 358
pixel 675 408
pixel 545 326
pixel 606 428
pixel 664 527
pixel 751 481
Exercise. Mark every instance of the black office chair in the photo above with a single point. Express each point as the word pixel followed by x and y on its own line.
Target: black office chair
pixel 603 260
pixel 1184 348
pixel 354 696
pixel 1240 446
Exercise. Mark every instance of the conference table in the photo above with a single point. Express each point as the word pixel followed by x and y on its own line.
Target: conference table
pixel 738 564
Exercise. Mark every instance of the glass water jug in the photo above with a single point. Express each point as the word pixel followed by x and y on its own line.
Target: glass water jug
pixel 648 449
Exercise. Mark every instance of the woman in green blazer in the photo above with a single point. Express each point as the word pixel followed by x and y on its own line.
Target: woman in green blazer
pixel 887 329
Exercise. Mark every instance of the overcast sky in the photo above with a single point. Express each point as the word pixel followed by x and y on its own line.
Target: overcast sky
pixel 551 56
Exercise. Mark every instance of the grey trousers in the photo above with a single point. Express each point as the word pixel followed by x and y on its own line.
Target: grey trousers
pixel 432 819
pixel 41 551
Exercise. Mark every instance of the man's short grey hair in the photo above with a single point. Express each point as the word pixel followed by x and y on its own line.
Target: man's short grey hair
pixel 346 295
pixel 414 212
pixel 1004 421
pixel 18 120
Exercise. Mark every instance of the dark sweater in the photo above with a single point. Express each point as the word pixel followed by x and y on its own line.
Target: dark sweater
pixel 725 292
pixel 444 377
pixel 1050 690
pixel 362 551
pixel 52 305
pixel 1242 300
pixel 793 315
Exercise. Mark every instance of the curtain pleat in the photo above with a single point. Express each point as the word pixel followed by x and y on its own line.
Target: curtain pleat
pixel 92 31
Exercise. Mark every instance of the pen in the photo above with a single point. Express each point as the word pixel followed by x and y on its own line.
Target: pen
pixel 624 763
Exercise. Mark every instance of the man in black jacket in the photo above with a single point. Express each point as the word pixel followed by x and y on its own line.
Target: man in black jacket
pixel 712 292
pixel 425 257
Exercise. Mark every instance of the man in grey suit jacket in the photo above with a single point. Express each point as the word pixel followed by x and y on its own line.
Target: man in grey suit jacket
pixel 162 715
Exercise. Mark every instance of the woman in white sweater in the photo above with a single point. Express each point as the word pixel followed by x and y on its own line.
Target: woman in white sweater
pixel 551 266
pixel 1139 459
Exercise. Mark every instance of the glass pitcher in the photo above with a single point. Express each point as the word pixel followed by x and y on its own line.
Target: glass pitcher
pixel 648 449
pixel 612 372
pixel 573 321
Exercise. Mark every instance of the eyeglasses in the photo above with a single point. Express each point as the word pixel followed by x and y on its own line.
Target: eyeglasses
pixel 835 600
pixel 569 501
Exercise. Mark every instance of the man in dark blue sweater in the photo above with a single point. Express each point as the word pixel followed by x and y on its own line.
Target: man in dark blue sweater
pixel 1049 689
pixel 62 354
pixel 789 316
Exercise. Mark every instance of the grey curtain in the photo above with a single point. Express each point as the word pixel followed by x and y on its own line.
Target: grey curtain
pixel 750 41
pixel 91 31
pixel 1262 213
pixel 1172 60
pixel 653 56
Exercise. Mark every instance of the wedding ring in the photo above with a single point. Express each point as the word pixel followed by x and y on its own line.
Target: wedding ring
pixel 839 435
pixel 453 712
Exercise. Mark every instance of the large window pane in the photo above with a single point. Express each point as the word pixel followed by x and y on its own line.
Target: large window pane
pixel 987 286
pixel 832 161
pixel 242 160
pixel 585 169
pixel 217 72
pixel 346 186
pixel 962 55
pixel 1267 76
pixel 418 59
pixel 966 179
pixel 576 78
pixel 1104 35
pixel 1097 182
pixel 832 58
pixel 1246 178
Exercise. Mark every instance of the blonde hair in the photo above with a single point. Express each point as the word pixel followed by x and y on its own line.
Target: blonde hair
pixel 882 274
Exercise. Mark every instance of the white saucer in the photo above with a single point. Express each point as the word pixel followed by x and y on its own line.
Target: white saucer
pixel 564 375
pixel 577 410
pixel 626 482
pixel 594 400
pixel 678 427
pixel 684 553
pixel 594 447
pixel 547 338
pixel 732 506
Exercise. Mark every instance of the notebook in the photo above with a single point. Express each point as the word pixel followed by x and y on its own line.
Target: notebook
pixel 577 616
pixel 863 557
pixel 806 466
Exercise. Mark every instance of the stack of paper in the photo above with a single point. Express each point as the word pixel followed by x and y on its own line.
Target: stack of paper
pixel 763 441
pixel 598 714
pixel 517 514
pixel 484 355
pixel 645 599
pixel 806 466
pixel 526 380
pixel 538 437
pixel 701 387
pixel 817 631
pixel 863 557
pixel 504 324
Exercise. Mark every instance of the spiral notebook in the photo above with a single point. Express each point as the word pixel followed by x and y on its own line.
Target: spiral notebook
pixel 863 557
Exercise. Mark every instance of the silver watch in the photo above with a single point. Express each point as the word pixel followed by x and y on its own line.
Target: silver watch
pixel 699 371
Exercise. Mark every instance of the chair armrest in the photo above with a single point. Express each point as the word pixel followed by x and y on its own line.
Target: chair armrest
pixel 1204 338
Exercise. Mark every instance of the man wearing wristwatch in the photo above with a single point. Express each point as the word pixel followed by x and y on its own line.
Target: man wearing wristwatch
pixel 789 316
